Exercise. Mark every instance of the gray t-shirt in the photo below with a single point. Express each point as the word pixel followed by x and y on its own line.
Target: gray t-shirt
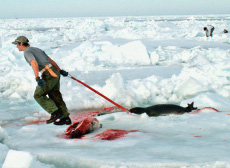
pixel 37 54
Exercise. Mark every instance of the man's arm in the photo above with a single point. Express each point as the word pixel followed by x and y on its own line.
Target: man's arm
pixel 54 63
pixel 34 65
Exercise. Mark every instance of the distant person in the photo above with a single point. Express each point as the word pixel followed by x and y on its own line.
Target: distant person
pixel 209 30
pixel 48 84
pixel 225 31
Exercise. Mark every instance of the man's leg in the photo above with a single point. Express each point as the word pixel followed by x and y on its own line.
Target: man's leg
pixel 46 102
pixel 211 31
pixel 56 96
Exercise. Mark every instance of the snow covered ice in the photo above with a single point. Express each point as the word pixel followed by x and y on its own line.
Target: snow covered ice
pixel 135 61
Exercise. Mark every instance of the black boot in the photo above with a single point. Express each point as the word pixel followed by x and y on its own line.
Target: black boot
pixel 54 116
pixel 62 121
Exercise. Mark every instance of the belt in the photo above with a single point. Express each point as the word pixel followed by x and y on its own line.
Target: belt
pixel 48 67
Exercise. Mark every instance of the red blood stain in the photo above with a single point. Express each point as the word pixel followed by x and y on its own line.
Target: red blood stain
pixel 64 136
pixel 197 136
pixel 79 116
pixel 24 124
pixel 109 134
pixel 205 108
pixel 36 122
pixel 112 134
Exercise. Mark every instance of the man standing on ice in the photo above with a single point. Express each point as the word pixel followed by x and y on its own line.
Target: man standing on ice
pixel 49 84
pixel 209 30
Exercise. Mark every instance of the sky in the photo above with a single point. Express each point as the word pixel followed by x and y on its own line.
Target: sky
pixel 98 8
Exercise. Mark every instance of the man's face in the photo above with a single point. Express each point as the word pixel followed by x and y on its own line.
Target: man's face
pixel 19 46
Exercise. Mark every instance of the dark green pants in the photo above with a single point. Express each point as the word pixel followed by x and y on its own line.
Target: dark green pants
pixel 54 100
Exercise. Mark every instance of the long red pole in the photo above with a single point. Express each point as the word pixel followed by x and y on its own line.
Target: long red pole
pixel 121 107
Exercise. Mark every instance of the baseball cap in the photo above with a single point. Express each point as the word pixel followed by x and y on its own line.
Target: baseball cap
pixel 21 39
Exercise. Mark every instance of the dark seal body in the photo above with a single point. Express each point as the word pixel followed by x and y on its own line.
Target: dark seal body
pixel 163 109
